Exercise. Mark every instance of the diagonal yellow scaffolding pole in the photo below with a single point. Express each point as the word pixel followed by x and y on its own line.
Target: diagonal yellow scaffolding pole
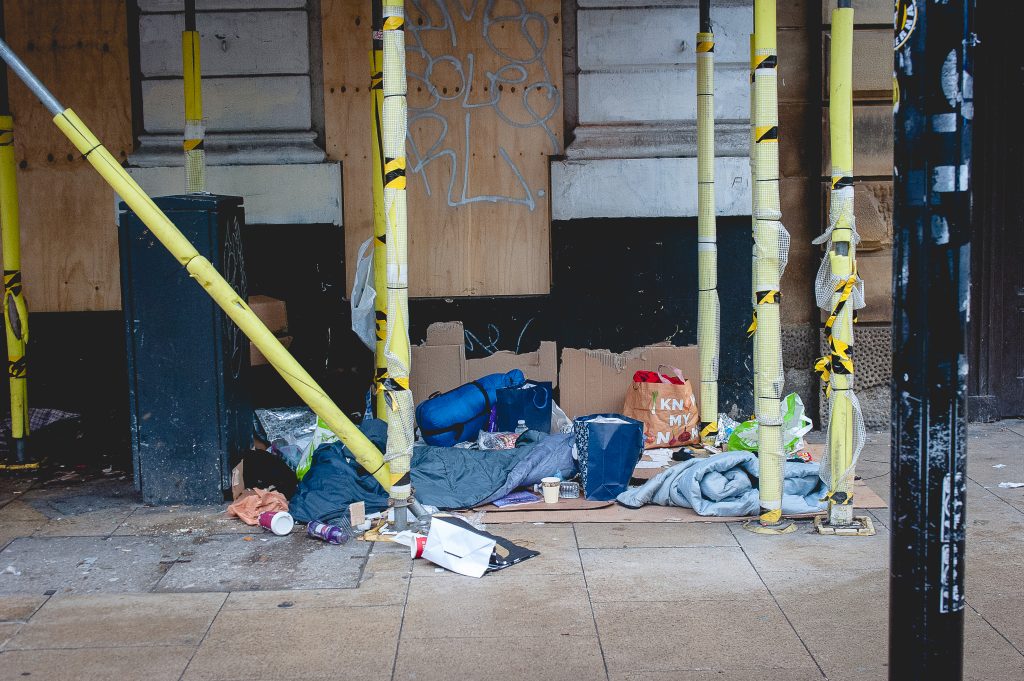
pixel 396 344
pixel 771 250
pixel 380 258
pixel 708 324
pixel 838 288
pixel 203 272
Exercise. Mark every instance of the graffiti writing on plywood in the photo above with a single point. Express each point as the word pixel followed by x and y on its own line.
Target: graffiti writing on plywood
pixel 516 86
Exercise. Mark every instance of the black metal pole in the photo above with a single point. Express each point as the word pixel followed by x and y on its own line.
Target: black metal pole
pixel 931 279
pixel 190 15
pixel 704 10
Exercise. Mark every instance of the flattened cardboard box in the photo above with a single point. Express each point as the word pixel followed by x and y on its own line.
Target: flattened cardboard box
pixel 272 312
pixel 440 364
pixel 596 381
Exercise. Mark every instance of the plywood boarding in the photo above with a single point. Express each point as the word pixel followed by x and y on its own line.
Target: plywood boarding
pixel 80 50
pixel 479 210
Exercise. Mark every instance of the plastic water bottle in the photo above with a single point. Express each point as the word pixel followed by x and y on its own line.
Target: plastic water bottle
pixel 332 534
pixel 521 427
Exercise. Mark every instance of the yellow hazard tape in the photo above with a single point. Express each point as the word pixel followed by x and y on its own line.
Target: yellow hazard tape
pixel 394 173
pixel 838 360
pixel 766 133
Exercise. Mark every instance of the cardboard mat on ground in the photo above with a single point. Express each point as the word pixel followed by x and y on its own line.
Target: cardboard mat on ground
pixel 586 511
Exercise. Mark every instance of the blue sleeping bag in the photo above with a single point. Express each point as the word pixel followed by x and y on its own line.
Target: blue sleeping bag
pixel 458 415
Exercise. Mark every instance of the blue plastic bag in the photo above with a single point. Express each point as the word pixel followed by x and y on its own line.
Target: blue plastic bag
pixel 530 402
pixel 609 447
pixel 458 415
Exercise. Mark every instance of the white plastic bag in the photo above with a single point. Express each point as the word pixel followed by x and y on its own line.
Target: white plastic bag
pixel 364 297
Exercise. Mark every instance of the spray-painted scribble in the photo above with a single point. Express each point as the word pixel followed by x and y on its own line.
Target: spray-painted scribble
pixel 527 71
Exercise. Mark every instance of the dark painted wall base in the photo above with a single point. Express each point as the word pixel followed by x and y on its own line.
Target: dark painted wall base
pixel 983 409
pixel 617 284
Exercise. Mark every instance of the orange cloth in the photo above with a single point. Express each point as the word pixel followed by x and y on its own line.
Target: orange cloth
pixel 254 501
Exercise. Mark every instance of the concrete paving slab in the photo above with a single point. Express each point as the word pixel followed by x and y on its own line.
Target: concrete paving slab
pixel 57 499
pixel 88 524
pixel 265 561
pixel 287 643
pixel 701 634
pixel 565 658
pixel 683 574
pixel 805 549
pixel 1016 425
pixel 730 674
pixel 990 518
pixel 12 488
pixel 652 535
pixel 153 663
pixel 15 530
pixel 813 599
pixel 20 511
pixel 987 654
pixel 847 651
pixel 192 520
pixel 994 588
pixel 993 569
pixel 556 543
pixel 502 604
pixel 7 632
pixel 115 620
pixel 85 564
pixel 18 608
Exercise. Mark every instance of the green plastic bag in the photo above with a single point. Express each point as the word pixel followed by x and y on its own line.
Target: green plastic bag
pixel 321 435
pixel 795 424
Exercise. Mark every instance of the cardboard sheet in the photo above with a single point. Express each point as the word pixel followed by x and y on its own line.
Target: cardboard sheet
pixel 582 511
pixel 596 381
pixel 440 363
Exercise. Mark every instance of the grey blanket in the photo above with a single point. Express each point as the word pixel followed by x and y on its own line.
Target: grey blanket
pixel 449 477
pixel 725 485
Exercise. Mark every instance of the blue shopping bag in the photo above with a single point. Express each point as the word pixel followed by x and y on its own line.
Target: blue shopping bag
pixel 529 401
pixel 608 447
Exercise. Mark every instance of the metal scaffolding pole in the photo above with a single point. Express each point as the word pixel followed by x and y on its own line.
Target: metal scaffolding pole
pixel 15 309
pixel 708 324
pixel 195 128
pixel 205 274
pixel 771 251
pixel 931 274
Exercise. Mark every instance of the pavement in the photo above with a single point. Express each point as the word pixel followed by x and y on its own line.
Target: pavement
pixel 95 585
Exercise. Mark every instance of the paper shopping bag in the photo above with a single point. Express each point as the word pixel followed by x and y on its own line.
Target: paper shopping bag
pixel 666 406
pixel 455 544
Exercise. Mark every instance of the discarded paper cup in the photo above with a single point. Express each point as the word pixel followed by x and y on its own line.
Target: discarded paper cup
pixel 418 544
pixel 552 486
pixel 278 522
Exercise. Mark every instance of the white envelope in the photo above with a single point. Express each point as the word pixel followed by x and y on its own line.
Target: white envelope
pixel 457 547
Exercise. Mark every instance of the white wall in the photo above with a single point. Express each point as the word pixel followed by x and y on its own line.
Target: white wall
pixel 634 150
